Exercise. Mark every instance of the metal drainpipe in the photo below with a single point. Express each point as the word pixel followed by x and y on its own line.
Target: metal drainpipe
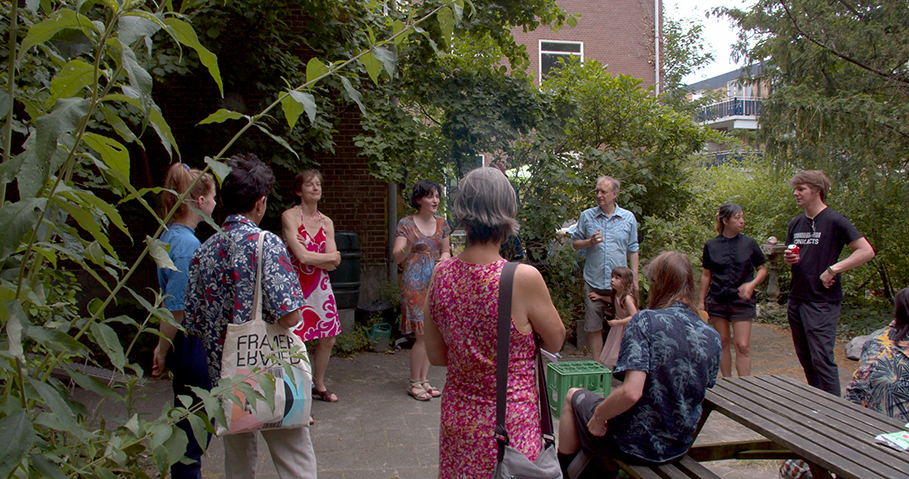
pixel 392 226
pixel 656 43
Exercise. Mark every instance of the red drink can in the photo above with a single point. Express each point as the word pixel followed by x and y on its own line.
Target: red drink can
pixel 794 248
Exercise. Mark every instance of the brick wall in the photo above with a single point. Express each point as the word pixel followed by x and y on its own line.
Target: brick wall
pixel 353 198
pixel 617 33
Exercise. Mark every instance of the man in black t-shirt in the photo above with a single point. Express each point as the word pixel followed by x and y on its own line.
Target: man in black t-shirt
pixel 816 293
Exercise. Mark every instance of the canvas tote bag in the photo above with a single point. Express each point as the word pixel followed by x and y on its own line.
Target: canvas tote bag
pixel 247 347
pixel 511 463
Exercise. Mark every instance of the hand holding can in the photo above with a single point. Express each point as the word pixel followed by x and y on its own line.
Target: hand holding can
pixel 791 256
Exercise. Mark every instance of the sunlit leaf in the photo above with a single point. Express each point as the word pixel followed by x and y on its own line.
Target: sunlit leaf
pixel 446 24
pixel 220 169
pixel 72 78
pixel 315 69
pixel 221 116
pixel 373 66
pixel 187 36
pixel 62 19
pixel 388 58
pixel 158 250
pixel 114 154
pixel 295 103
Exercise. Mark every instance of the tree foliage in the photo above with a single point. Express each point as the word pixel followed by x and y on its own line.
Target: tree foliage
pixel 839 74
pixel 79 98
pixel 839 78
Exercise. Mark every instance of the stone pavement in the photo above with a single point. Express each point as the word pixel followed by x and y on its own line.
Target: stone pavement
pixel 377 431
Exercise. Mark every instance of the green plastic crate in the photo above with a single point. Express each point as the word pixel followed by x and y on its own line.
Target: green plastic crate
pixel 560 377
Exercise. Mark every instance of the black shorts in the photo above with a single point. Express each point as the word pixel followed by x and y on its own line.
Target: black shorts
pixel 736 309
pixel 583 404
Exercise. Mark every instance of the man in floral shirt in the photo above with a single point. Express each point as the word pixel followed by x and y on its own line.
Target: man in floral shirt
pixel 222 279
pixel 668 359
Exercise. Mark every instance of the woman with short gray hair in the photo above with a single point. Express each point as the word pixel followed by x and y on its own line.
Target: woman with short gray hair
pixel 461 315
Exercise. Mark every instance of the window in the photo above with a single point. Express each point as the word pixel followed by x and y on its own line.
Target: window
pixel 551 52
pixel 735 89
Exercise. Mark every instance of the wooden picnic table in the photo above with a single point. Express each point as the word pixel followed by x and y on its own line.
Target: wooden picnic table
pixel 830 433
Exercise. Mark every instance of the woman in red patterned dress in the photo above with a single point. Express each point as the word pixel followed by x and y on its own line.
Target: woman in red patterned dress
pixel 310 237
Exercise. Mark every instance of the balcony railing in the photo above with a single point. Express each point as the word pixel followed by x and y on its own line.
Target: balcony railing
pixel 730 108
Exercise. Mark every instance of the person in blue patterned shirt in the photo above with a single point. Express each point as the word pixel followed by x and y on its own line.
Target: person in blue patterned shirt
pixel 668 359
pixel 222 279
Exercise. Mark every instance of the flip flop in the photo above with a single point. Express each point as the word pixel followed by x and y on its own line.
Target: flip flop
pixel 324 395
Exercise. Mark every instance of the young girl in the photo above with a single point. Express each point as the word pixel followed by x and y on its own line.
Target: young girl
pixel 626 305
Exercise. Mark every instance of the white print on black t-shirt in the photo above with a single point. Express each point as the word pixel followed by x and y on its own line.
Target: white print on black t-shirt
pixel 806 238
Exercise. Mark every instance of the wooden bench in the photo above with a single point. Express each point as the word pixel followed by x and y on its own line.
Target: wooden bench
pixel 684 468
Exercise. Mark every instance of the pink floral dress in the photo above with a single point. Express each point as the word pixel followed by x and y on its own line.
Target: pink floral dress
pixel 464 302
pixel 320 314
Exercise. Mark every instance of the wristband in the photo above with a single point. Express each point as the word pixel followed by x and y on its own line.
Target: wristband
pixel 830 270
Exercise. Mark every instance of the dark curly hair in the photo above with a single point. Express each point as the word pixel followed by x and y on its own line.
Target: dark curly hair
pixel 423 189
pixel 249 180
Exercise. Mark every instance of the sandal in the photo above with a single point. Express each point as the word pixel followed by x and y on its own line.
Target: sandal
pixel 324 395
pixel 312 420
pixel 432 391
pixel 418 392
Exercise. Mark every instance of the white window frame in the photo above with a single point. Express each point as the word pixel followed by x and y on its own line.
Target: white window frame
pixel 541 52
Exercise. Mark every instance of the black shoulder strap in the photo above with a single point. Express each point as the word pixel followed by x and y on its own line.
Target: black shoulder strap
pixel 506 287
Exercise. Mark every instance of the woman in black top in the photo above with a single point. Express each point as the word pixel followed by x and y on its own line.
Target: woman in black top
pixel 727 285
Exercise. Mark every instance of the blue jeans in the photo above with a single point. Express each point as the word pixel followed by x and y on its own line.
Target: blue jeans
pixel 188 363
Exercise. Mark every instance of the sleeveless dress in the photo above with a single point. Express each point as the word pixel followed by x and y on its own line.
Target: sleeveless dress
pixel 320 315
pixel 464 306
pixel 418 271
pixel 610 355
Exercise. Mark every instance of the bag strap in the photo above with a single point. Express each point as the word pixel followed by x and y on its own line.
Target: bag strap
pixel 506 287
pixel 257 293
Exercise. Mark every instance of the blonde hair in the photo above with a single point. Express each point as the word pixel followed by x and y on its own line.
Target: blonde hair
pixel 486 205
pixel 671 279
pixel 179 178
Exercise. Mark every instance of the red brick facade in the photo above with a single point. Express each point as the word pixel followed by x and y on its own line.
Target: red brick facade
pixel 353 198
pixel 617 33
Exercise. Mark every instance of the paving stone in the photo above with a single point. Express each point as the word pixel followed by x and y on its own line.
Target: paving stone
pixel 377 431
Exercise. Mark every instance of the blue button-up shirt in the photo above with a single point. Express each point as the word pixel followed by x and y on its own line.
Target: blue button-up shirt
pixel 620 237
pixel 222 279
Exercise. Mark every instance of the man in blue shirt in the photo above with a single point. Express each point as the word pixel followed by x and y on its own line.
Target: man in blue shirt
pixel 609 234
